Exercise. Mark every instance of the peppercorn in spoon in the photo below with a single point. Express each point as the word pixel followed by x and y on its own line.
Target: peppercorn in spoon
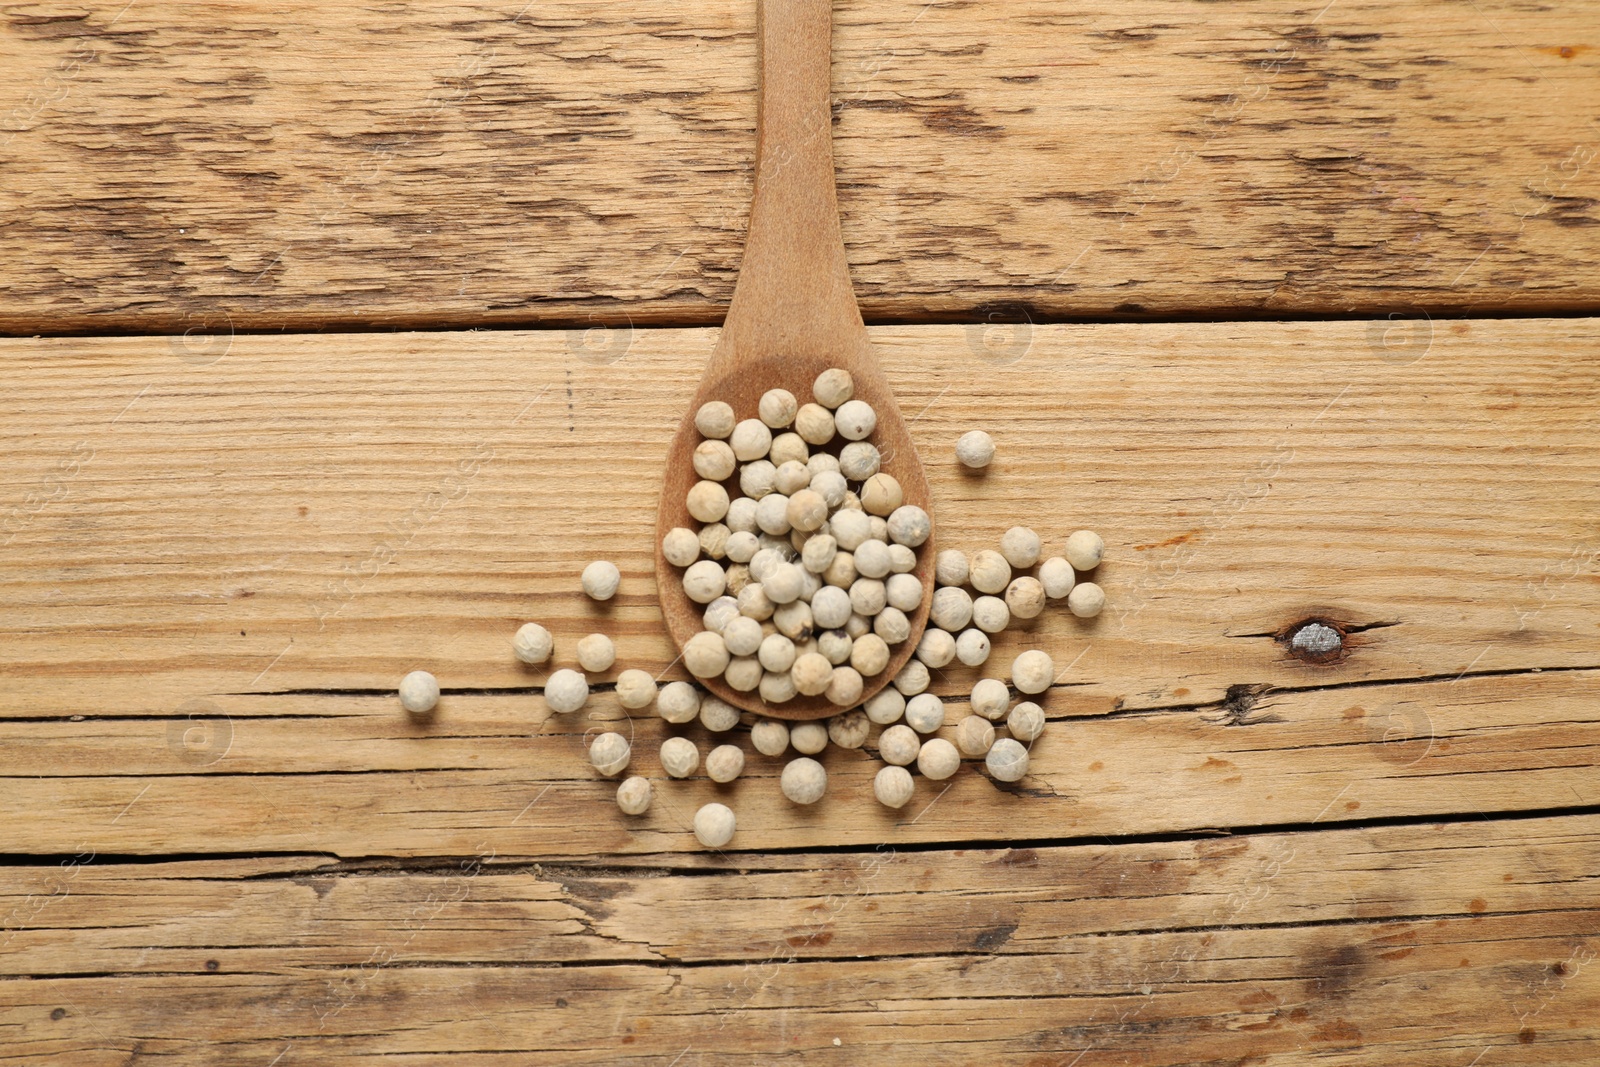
pixel 792 325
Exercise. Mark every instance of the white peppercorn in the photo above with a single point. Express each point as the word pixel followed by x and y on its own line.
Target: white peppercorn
pixel 990 614
pixel 777 688
pixel 990 698
pixel 808 738
pixel 975 449
pixel 990 572
pixel 1086 600
pixel 705 654
pixel 724 763
pixel 772 514
pixel 714 539
pixel 950 567
pixel 790 477
pixel 601 578
pixel 881 494
pixel 1033 671
pixel 713 460
pixel 742 636
pixel 1025 597
pixel 803 780
pixel 679 757
pixel 789 448
pixel 833 387
pixel 849 729
pixel 814 424
pixel 857 625
pixel 886 707
pixel 938 759
pixel 909 525
pixel 419 692
pixel 741 516
pixel 841 570
pixel 681 547
pixel 609 753
pixel 880 528
pixel 714 419
pixel 974 735
pixel 793 620
pixel 892 625
pixel 811 673
pixel 770 736
pixel 822 461
pixel 925 713
pixel 807 510
pixel 764 562
pixel 743 673
pixel 1020 546
pixel 754 602
pixel 751 440
pixel 818 553
pixel 899 745
pixel 830 485
pixel 678 702
pixel 830 607
pixel 972 647
pixel 913 677
pixel 850 528
pixel 635 689
pixel 756 479
pixel 783 585
pixel 704 581
pixel 893 786
pixel 872 558
pixel 633 795
pixel 859 460
pixel 835 644
pixel 951 608
pixel 902 560
pixel 720 612
pixel 532 643
pixel 869 655
pixel 714 825
pixel 1084 550
pixel 740 547
pixel 777 407
pixel 937 647
pixel 707 501
pixel 1007 760
pixel 903 591
pixel 868 596
pixel 776 652
pixel 810 584
pixel 845 686
pixel 1026 721
pixel 596 653
pixel 566 691
pixel 855 420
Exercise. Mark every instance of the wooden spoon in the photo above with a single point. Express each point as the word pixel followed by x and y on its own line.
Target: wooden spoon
pixel 793 316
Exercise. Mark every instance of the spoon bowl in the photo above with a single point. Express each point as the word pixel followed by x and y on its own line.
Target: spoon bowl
pixel 793 315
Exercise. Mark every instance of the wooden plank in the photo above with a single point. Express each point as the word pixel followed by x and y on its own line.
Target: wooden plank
pixel 1518 990
pixel 496 775
pixel 173 166
pixel 224 566
pixel 292 914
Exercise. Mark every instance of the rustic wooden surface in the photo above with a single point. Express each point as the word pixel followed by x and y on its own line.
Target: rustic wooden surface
pixel 250 541
pixel 170 165
pixel 219 550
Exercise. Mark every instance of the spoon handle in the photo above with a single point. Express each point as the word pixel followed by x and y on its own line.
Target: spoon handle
pixel 794 295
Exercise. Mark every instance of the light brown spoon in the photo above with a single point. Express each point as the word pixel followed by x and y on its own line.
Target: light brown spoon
pixel 793 316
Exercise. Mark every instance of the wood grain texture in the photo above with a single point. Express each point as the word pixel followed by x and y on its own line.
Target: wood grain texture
pixel 225 567
pixel 1419 944
pixel 175 166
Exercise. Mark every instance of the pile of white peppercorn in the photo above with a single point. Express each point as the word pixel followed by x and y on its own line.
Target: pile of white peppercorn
pixel 974 598
pixel 804 571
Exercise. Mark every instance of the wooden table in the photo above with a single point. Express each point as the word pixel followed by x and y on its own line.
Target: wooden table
pixel 341 338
